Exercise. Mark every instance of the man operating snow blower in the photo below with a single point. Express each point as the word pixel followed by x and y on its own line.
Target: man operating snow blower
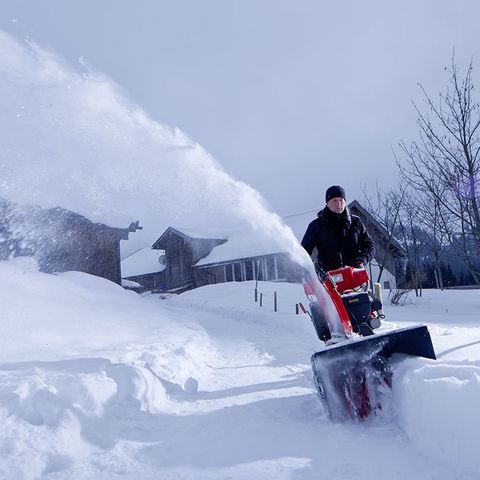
pixel 340 238
pixel 353 367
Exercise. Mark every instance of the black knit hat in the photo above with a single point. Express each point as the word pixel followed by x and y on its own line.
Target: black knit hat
pixel 333 192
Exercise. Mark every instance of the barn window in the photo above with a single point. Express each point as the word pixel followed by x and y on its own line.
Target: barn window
pixel 229 273
pixel 260 269
pixel 237 272
pixel 281 268
pixel 270 264
pixel 249 271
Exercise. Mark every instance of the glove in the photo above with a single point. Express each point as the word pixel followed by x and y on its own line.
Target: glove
pixel 359 262
pixel 319 267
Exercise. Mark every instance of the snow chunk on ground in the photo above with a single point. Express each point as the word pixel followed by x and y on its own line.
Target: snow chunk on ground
pixel 437 406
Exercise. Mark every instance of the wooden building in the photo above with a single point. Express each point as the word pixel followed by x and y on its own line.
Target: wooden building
pixel 194 259
pixel 273 267
pixel 183 249
pixel 61 240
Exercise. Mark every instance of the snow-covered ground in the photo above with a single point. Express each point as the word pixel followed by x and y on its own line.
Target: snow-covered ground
pixel 97 382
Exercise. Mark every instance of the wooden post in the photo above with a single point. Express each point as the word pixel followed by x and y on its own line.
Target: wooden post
pixel 256 283
pixel 274 301
pixel 296 309
pixel 261 299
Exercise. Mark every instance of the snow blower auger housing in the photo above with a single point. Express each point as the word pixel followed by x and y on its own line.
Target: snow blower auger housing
pixel 352 369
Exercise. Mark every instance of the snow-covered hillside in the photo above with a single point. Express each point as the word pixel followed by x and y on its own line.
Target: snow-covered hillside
pixel 98 382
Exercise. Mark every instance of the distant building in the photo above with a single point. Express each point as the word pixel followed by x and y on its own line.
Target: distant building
pixel 183 249
pixel 194 259
pixel 61 240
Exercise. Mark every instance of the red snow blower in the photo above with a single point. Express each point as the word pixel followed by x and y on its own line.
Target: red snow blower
pixel 351 372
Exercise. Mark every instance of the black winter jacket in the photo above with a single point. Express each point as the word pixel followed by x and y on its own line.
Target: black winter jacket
pixel 340 239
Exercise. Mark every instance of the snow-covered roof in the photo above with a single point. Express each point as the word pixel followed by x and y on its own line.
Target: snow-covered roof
pixel 244 243
pixel 240 244
pixel 146 260
pixel 192 233
pixel 214 233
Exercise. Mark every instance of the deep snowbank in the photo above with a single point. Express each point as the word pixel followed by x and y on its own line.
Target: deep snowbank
pixel 97 382
pixel 74 349
pixel 436 402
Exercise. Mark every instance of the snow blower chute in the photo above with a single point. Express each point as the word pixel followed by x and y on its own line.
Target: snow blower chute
pixel 352 369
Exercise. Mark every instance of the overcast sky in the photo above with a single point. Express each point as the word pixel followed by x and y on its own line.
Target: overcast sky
pixel 289 96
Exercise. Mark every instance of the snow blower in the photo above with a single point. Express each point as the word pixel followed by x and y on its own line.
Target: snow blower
pixel 353 369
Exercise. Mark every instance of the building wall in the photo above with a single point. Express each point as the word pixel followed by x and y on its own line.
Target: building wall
pixel 150 281
pixel 275 267
pixel 387 280
pixel 179 261
pixel 60 240
pixel 209 275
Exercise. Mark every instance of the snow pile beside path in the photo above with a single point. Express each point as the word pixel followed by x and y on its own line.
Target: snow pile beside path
pixel 48 317
pixel 437 405
pixel 77 354
pixel 437 402
pixel 44 316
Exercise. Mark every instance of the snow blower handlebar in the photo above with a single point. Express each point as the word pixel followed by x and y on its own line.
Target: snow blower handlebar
pixel 335 283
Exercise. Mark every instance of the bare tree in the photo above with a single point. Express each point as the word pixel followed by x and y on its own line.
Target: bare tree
pixel 408 232
pixel 444 165
pixel 433 220
pixel 385 208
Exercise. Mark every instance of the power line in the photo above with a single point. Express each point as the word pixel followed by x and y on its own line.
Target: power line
pixel 301 213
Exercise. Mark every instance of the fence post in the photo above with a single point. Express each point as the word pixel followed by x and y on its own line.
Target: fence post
pixel 274 301
pixel 261 299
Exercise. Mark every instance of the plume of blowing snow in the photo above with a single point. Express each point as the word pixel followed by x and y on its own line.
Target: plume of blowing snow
pixel 70 138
